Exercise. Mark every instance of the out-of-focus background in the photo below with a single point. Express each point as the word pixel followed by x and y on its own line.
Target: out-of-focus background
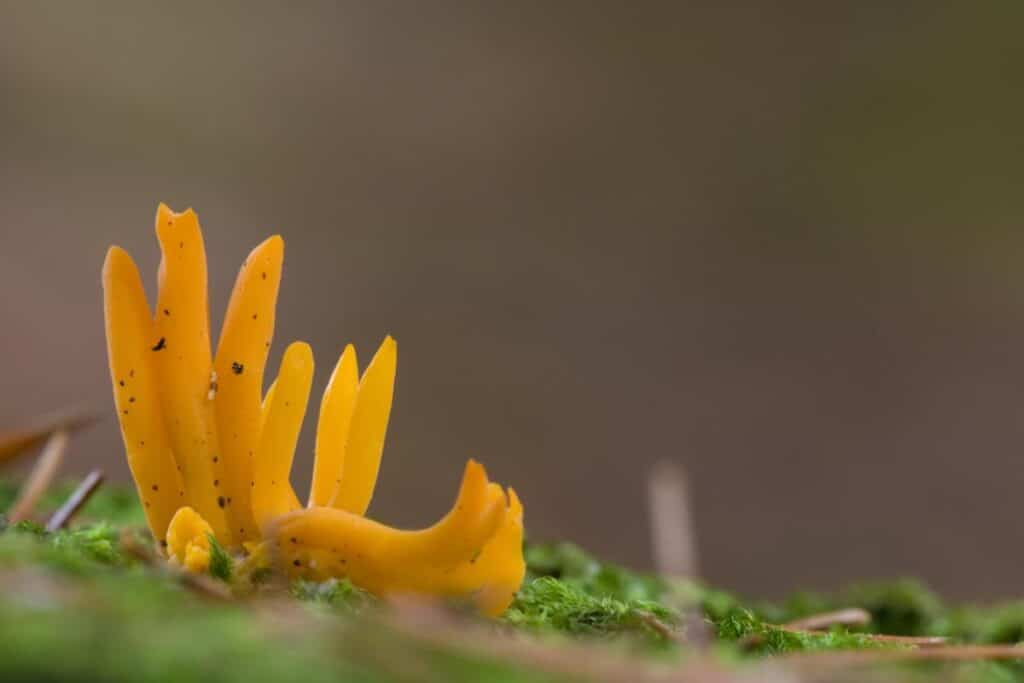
pixel 778 243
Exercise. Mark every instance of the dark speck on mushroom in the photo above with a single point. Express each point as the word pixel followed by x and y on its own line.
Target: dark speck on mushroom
pixel 237 368
pixel 161 345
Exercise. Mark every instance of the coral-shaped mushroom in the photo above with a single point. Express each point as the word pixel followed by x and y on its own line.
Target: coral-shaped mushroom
pixel 210 453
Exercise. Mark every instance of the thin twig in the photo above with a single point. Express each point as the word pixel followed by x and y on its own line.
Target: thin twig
pixel 916 641
pixel 78 498
pixel 925 642
pixel 851 616
pixel 41 477
pixel 14 442
pixel 957 652
pixel 674 543
pixel 819 661
pixel 697 631
pixel 657 625
pixel 673 539
pixel 130 545
pixel 204 585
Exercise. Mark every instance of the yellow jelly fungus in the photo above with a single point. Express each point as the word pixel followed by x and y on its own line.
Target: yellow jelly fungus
pixel 272 493
pixel 495 575
pixel 474 552
pixel 188 540
pixel 136 393
pixel 369 424
pixel 335 417
pixel 211 454
pixel 239 364
pixel 181 353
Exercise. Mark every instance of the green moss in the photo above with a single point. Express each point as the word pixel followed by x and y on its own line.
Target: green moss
pixel 28 526
pixel 221 563
pixel 338 594
pixel 742 625
pixel 74 606
pixel 902 607
pixel 574 567
pixel 996 624
pixel 547 603
pixel 99 542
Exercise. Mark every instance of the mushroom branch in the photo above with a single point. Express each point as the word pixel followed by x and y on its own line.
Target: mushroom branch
pixel 211 454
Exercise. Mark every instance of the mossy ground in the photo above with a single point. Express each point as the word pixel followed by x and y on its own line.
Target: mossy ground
pixel 77 606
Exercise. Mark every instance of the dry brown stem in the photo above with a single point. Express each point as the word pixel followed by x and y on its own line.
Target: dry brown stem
pixel 78 498
pixel 15 442
pixel 851 616
pixel 673 539
pixel 41 477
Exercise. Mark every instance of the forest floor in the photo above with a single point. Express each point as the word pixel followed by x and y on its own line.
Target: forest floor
pixel 93 603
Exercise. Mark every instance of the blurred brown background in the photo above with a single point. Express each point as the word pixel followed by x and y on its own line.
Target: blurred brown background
pixel 779 243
